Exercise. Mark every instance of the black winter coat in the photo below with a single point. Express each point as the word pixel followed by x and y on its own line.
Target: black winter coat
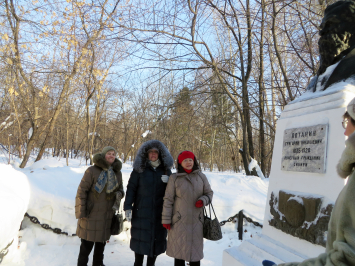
pixel 145 191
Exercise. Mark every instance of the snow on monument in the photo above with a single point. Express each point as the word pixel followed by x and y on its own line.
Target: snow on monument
pixel 308 144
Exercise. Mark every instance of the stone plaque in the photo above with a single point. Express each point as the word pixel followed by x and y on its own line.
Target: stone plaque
pixel 304 149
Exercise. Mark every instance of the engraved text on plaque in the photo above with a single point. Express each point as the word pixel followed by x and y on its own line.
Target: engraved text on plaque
pixel 304 149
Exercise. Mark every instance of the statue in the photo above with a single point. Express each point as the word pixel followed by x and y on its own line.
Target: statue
pixel 336 45
pixel 337 63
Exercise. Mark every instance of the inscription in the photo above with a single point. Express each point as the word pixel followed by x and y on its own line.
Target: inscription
pixel 304 134
pixel 304 149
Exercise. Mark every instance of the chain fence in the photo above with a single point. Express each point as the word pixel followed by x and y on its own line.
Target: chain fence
pixel 240 216
pixel 249 220
pixel 58 231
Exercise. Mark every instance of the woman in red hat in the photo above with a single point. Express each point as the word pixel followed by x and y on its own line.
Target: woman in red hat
pixel 187 192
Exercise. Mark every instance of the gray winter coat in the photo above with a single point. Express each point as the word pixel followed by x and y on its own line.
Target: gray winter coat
pixel 185 239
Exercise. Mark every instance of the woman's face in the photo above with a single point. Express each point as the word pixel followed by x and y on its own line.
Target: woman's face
pixel 350 128
pixel 187 164
pixel 110 157
pixel 153 155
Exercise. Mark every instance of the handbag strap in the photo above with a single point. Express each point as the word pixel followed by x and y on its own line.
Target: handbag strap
pixel 210 205
pixel 205 212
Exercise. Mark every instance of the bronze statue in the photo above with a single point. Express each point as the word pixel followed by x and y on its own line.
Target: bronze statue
pixel 336 44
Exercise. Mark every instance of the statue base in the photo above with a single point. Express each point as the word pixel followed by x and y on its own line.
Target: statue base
pixel 254 251
pixel 284 236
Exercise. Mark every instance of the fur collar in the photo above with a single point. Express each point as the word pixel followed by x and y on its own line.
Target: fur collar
pixel 141 157
pixel 100 161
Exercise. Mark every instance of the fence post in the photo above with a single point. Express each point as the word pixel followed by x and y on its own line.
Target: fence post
pixel 240 224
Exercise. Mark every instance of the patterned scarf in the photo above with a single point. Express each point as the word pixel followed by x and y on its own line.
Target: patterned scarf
pixel 106 177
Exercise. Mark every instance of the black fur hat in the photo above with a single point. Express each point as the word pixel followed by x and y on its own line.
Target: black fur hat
pixel 141 157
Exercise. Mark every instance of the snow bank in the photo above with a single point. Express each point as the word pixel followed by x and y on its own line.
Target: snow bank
pixel 14 198
pixel 233 192
pixel 47 163
pixel 53 187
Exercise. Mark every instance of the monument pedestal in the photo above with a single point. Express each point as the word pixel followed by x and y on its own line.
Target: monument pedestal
pixel 322 108
pixel 254 251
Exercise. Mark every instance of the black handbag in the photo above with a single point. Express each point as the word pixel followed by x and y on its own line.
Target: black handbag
pixel 211 228
pixel 117 223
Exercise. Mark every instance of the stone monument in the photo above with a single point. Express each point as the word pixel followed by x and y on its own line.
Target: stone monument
pixel 309 141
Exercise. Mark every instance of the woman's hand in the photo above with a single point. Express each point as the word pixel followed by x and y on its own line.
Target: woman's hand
pixel 199 204
pixel 167 226
pixel 165 178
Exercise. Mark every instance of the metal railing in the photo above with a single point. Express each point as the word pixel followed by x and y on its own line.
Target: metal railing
pixel 240 216
pixel 58 231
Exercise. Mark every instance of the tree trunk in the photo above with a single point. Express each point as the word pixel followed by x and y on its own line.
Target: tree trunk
pixel 212 147
pixel 261 92
pixel 278 55
pixel 67 146
pixel 30 144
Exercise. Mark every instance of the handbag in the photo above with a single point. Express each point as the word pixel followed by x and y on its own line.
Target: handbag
pixel 117 223
pixel 211 227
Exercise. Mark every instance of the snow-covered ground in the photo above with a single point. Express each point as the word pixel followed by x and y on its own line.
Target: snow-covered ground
pixel 46 189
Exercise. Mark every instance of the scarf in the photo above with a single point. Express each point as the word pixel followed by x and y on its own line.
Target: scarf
pixel 188 171
pixel 106 177
pixel 155 164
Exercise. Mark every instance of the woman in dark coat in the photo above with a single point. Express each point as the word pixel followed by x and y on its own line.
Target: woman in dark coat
pixel 100 187
pixel 144 200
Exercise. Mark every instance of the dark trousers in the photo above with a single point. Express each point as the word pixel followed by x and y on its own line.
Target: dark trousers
pixel 85 249
pixel 139 260
pixel 178 262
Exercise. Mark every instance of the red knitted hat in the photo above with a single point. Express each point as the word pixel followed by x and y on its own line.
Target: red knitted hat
pixel 184 155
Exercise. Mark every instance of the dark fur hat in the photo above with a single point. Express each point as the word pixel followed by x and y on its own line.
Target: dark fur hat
pixel 141 157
